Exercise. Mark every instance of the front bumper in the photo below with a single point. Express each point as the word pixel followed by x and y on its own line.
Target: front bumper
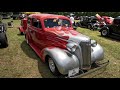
pixel 93 69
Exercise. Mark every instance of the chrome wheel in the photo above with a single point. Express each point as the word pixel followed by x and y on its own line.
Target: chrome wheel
pixel 104 32
pixel 51 65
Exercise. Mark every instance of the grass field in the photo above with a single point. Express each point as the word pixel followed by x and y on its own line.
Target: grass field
pixel 18 60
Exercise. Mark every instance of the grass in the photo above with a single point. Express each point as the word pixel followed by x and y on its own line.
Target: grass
pixel 18 60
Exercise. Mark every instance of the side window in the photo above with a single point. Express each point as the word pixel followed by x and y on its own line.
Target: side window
pixel 36 23
pixel 40 26
pixel 117 21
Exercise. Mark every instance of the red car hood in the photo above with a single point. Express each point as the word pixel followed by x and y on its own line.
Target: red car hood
pixel 68 34
pixel 62 31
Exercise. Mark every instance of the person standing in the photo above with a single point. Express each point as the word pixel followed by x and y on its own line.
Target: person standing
pixel 72 19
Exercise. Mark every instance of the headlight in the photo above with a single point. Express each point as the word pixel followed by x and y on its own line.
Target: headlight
pixel 71 46
pixel 93 43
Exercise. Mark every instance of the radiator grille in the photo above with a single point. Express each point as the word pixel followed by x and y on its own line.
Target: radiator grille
pixel 86 54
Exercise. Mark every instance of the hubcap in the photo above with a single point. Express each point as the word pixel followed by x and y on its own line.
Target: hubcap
pixel 104 32
pixel 51 65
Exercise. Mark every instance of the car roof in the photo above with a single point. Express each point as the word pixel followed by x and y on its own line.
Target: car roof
pixel 43 16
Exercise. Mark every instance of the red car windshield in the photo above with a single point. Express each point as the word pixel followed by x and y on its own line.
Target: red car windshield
pixel 50 23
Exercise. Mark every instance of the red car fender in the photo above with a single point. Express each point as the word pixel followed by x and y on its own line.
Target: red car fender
pixel 21 29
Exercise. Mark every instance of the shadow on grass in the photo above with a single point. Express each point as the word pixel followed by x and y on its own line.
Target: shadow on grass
pixel 112 37
pixel 28 50
pixel 42 67
pixel 3 47
pixel 100 72
pixel 20 34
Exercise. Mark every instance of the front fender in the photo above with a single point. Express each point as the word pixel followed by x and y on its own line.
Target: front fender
pixel 62 59
pixel 97 53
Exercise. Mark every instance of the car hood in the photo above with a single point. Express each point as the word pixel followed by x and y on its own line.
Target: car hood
pixel 69 34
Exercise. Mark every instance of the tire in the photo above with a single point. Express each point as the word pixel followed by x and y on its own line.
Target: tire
pixel 21 33
pixel 52 67
pixel 14 18
pixel 89 27
pixel 104 32
pixel 3 40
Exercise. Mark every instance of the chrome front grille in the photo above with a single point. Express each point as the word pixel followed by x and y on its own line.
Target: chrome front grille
pixel 86 54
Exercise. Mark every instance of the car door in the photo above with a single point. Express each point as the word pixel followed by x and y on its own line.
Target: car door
pixel 31 30
pixel 37 33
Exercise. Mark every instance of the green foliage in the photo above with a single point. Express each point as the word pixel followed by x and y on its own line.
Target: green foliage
pixel 111 14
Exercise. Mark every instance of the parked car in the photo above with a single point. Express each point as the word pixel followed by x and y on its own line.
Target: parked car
pixel 93 24
pixel 107 19
pixel 86 21
pixel 5 16
pixel 23 26
pixel 66 51
pixel 111 29
pixel 16 15
pixel 24 21
pixel 3 36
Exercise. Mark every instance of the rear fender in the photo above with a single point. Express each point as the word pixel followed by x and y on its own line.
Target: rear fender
pixel 64 60
pixel 21 29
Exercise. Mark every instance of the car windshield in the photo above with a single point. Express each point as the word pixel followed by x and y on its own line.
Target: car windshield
pixel 50 23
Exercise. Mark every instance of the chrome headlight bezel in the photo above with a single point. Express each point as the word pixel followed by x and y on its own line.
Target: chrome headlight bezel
pixel 93 43
pixel 71 47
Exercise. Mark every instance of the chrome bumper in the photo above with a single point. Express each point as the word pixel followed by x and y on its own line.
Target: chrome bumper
pixel 102 65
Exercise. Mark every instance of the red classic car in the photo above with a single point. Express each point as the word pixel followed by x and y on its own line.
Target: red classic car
pixel 23 26
pixel 66 51
pixel 107 19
